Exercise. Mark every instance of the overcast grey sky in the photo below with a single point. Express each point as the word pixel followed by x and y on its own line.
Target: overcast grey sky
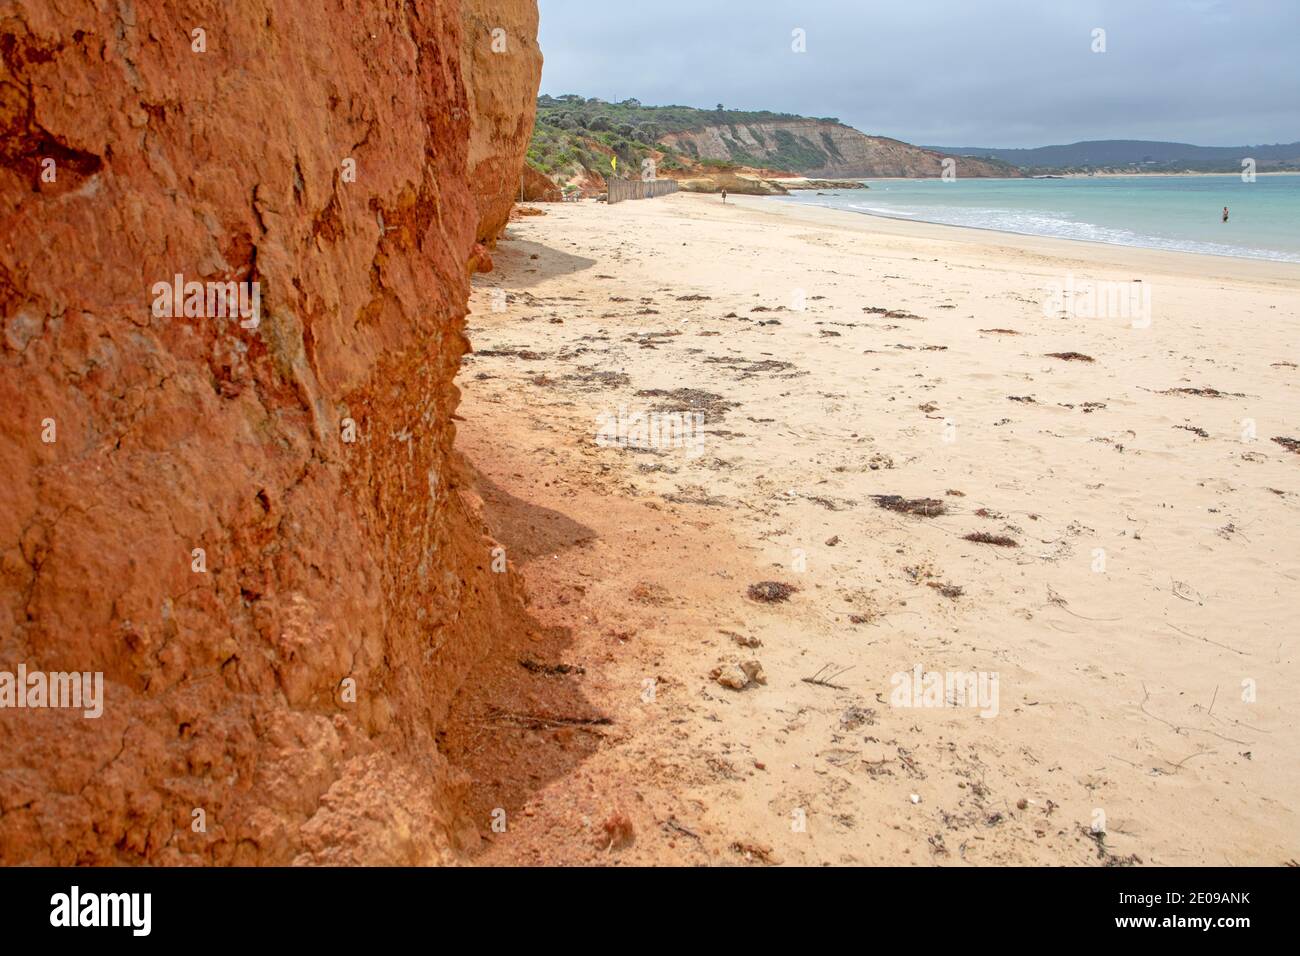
pixel 950 72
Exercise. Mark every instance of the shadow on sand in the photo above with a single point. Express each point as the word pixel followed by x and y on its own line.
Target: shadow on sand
pixel 522 719
pixel 514 257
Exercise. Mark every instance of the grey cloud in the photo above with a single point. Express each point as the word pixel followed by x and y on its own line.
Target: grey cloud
pixel 974 72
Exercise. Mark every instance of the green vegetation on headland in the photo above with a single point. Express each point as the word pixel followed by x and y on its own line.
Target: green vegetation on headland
pixel 576 139
pixel 565 142
pixel 573 134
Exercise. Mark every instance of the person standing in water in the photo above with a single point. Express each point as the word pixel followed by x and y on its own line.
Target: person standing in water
pixel 1225 213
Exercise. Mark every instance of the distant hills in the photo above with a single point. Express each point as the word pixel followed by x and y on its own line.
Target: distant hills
pixel 1138 155
pixel 579 142
pixel 575 140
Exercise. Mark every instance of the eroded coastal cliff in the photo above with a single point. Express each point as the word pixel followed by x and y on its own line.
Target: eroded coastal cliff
pixel 249 523
pixel 831 149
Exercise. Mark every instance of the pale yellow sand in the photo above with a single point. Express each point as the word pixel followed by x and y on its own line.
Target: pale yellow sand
pixel 1153 590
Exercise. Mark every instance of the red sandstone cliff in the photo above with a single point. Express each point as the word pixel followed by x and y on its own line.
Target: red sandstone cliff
pixel 503 67
pixel 328 563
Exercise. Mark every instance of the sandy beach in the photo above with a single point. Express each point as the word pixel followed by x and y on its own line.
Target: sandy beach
pixel 1051 466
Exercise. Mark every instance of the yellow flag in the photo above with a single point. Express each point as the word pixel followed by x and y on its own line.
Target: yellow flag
pixel 613 162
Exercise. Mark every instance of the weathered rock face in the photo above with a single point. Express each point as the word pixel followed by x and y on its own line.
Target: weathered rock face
pixel 715 181
pixel 251 526
pixel 503 67
pixel 829 149
pixel 537 187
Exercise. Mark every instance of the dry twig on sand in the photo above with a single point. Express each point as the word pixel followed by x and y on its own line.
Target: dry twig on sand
pixel 826 676
pixel 546 722
pixel 1179 728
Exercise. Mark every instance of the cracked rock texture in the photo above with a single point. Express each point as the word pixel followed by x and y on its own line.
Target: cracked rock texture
pixel 281 615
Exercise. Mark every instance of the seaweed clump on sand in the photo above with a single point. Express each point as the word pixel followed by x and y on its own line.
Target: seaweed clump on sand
pixel 1206 392
pixel 689 400
pixel 952 591
pixel 983 537
pixel 771 592
pixel 924 507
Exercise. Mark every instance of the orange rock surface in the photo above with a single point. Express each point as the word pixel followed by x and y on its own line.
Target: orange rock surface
pixel 503 67
pixel 253 529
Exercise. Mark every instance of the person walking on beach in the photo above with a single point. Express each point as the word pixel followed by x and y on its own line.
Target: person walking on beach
pixel 1225 213
pixel 724 197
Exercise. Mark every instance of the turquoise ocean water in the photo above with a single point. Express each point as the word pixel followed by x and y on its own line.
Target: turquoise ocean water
pixel 1180 213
